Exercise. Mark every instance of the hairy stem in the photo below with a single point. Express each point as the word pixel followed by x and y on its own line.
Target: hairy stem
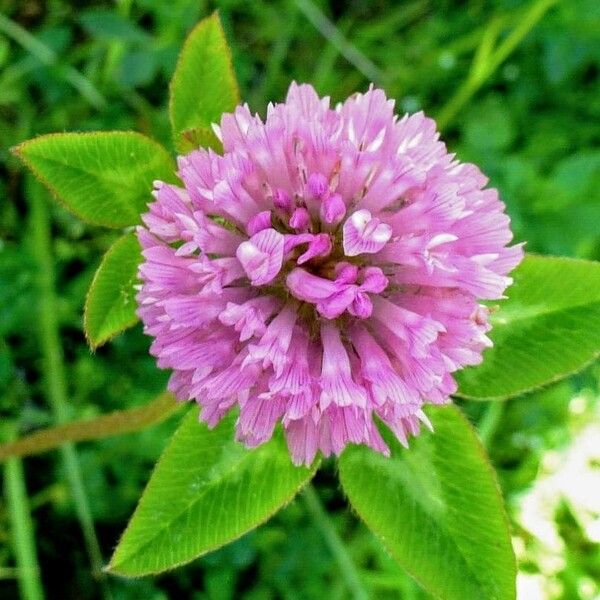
pixel 115 423
pixel 23 540
pixel 333 541
pixel 54 368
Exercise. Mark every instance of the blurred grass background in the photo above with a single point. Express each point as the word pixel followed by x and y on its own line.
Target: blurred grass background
pixel 530 117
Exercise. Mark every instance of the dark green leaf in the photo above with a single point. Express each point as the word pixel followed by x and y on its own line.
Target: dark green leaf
pixel 437 508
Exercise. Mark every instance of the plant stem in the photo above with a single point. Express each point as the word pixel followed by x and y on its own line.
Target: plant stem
pixel 28 571
pixel 54 368
pixel 115 423
pixel 336 545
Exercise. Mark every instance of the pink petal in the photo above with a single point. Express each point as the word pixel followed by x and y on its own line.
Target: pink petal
pixel 333 306
pixel 373 280
pixel 257 419
pixel 262 256
pixel 346 272
pixel 317 185
pixel 302 437
pixel 361 306
pixel 282 200
pixel 337 386
pixel 258 222
pixel 320 245
pixel 300 219
pixel 310 288
pixel 333 209
pixel 364 234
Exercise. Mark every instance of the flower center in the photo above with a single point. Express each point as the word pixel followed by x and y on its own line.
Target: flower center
pixel 310 248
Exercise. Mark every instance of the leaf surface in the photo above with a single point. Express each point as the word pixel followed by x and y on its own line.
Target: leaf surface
pixel 547 329
pixel 204 84
pixel 206 491
pixel 110 304
pixel 104 178
pixel 437 508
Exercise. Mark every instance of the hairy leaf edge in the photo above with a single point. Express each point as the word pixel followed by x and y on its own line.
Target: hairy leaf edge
pixel 559 376
pixel 113 568
pixel 21 149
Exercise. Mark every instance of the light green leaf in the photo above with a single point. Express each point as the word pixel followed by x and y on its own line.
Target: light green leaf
pixel 110 304
pixel 105 178
pixel 547 329
pixel 437 508
pixel 204 85
pixel 206 491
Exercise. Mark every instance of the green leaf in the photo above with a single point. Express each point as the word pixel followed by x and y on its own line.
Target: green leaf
pixel 206 491
pixel 204 137
pixel 437 508
pixel 204 85
pixel 547 329
pixel 105 178
pixel 110 304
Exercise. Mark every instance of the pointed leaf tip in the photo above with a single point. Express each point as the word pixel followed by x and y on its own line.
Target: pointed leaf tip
pixel 206 491
pixel 204 84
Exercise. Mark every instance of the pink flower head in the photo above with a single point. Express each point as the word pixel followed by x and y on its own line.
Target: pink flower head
pixel 326 269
